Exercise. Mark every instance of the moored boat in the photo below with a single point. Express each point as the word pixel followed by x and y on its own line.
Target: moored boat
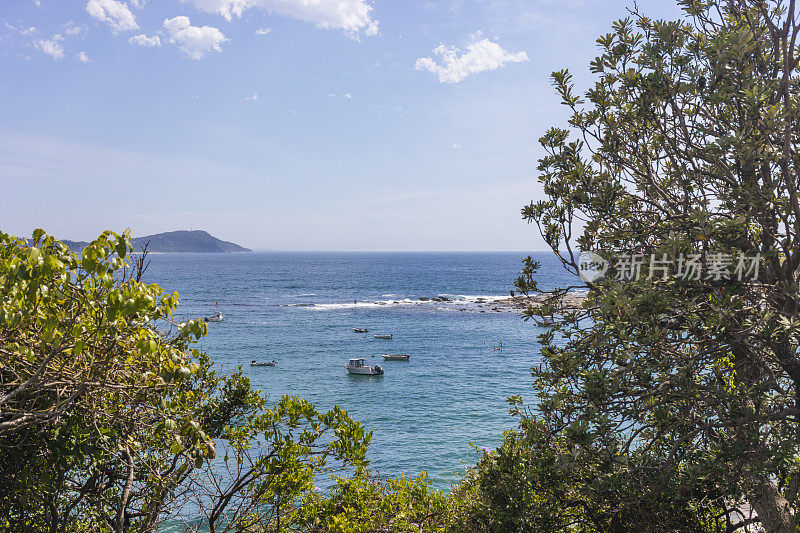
pixel 357 366
pixel 214 318
pixel 360 330
pixel 265 363
pixel 395 357
pixel 383 336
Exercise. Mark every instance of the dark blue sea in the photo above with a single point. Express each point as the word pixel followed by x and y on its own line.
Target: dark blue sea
pixel 300 310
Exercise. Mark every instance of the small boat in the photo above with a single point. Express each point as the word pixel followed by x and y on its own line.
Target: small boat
pixel 357 366
pixel 395 357
pixel 360 330
pixel 383 336
pixel 214 318
pixel 265 363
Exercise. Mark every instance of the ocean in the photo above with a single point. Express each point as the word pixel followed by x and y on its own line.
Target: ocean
pixel 300 308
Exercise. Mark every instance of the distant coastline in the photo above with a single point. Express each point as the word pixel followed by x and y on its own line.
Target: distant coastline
pixel 182 241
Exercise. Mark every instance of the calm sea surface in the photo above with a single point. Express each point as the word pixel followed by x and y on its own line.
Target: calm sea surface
pixel 299 309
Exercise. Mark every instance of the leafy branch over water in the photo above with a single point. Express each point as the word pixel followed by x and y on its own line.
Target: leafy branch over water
pixel 109 419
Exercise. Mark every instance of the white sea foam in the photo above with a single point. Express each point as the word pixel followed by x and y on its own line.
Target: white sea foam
pixel 438 302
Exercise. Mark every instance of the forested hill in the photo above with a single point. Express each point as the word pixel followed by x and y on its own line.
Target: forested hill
pixel 197 241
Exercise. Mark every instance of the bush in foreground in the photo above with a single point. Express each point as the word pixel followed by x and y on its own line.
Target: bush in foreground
pixel 109 418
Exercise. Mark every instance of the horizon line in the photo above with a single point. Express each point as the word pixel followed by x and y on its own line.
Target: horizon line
pixel 391 251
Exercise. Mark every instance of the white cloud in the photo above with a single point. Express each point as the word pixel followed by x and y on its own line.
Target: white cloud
pixel 263 31
pixel 22 30
pixel 70 28
pixel 116 14
pixel 253 98
pixel 352 16
pixel 348 96
pixel 194 40
pixel 145 40
pixel 138 4
pixel 50 47
pixel 480 56
pixel 458 146
pixel 37 3
pixel 82 57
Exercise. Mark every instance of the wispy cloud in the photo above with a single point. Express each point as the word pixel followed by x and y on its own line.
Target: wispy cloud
pixel 51 47
pixel 116 14
pixel 145 40
pixel 22 30
pixel 263 31
pixel 352 16
pixel 70 28
pixel 82 57
pixel 253 98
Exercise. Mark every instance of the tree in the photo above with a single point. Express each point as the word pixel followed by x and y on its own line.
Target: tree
pixel 110 420
pixel 539 480
pixel 679 164
pixel 364 504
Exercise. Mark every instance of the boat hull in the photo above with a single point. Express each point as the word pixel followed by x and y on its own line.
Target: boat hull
pixel 364 370
pixel 398 357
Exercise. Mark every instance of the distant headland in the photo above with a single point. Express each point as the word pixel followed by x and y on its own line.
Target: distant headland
pixel 183 241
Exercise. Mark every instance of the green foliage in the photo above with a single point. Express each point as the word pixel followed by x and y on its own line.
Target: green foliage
pixel 685 144
pixel 543 480
pixel 364 504
pixel 111 421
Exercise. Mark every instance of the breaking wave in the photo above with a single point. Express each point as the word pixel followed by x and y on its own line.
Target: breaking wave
pixel 440 301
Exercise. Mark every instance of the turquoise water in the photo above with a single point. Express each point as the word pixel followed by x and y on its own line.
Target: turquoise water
pixel 299 309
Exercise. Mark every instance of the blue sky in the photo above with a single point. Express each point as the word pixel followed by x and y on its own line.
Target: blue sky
pixel 287 124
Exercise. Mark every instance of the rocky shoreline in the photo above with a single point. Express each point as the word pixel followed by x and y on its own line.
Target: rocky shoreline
pixel 570 300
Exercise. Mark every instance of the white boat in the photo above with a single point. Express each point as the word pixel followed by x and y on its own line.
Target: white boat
pixel 265 363
pixel 360 330
pixel 383 336
pixel 357 366
pixel 215 318
pixel 395 357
